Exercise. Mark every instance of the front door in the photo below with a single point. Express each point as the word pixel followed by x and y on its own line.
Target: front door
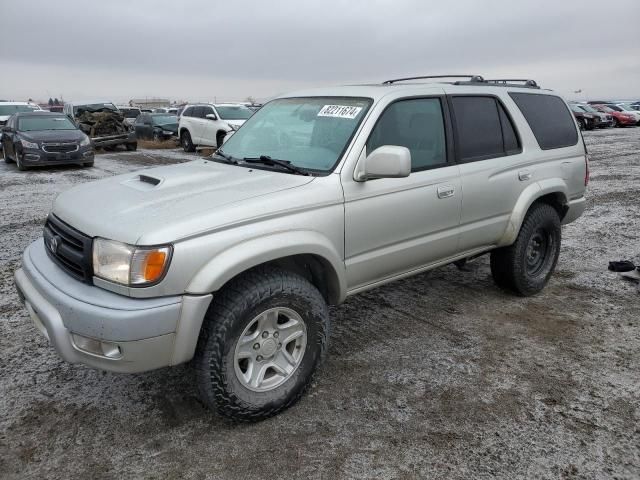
pixel 396 225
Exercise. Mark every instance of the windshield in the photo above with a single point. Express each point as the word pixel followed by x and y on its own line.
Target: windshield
pixel 588 108
pixel 11 109
pixel 32 124
pixel 625 108
pixel 233 112
pixel 164 119
pixel 311 133
pixel 130 112
pixel 95 107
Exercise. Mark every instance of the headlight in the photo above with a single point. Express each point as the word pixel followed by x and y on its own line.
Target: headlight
pixel 86 141
pixel 26 144
pixel 128 264
pixel 233 127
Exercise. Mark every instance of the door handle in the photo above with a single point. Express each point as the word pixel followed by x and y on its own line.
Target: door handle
pixel 524 175
pixel 446 191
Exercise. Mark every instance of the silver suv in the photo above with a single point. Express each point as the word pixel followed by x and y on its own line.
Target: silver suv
pixel 232 260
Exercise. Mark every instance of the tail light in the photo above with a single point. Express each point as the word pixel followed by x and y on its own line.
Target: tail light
pixel 586 169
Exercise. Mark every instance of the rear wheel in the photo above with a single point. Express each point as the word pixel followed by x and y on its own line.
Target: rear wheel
pixel 525 267
pixel 262 339
pixel 185 140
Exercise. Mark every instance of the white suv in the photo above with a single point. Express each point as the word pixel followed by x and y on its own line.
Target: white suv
pixel 207 124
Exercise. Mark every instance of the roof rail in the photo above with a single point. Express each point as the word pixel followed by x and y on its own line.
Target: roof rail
pixel 472 78
pixel 512 81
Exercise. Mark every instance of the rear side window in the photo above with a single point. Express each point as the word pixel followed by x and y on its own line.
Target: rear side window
pixel 549 118
pixel 188 112
pixel 484 130
pixel 417 124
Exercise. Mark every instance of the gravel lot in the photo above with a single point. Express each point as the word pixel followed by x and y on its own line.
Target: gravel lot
pixel 438 376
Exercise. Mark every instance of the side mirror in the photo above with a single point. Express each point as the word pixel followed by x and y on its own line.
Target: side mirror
pixel 211 116
pixel 388 161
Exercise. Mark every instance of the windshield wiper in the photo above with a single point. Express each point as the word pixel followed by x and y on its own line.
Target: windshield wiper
pixel 225 157
pixel 267 160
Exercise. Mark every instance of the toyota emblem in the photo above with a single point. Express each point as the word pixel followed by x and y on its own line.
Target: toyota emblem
pixel 53 244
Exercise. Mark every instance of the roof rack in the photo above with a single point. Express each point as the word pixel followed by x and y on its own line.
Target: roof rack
pixel 472 78
pixel 513 82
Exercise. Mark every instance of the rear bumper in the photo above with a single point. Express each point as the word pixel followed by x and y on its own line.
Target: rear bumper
pixel 575 209
pixel 86 324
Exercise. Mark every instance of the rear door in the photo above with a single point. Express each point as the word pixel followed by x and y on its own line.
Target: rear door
pixel 493 169
pixel 196 123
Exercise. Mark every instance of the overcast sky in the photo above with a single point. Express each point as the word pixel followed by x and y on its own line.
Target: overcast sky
pixel 208 49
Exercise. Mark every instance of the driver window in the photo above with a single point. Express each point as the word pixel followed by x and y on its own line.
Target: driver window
pixel 417 124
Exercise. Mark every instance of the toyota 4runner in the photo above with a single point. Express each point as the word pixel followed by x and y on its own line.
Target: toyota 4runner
pixel 231 261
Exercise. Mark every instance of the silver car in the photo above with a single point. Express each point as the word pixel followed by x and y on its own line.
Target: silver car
pixel 322 194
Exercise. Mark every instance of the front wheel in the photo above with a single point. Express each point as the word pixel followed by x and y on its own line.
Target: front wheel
pixel 264 336
pixel 185 140
pixel 18 159
pixel 525 267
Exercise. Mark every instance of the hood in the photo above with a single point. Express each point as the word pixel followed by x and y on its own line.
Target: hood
pixel 164 204
pixel 169 127
pixel 61 136
pixel 235 123
pixel 4 118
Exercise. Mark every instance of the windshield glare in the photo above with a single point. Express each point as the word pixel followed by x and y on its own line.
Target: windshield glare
pixel 11 109
pixel 310 133
pixel 233 112
pixel 33 124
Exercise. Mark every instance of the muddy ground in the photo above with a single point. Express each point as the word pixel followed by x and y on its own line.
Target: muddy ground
pixel 438 376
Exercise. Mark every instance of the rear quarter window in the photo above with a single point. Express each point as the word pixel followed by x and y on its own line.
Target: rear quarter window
pixel 549 118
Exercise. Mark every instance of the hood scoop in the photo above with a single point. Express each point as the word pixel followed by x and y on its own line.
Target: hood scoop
pixel 143 182
pixel 149 179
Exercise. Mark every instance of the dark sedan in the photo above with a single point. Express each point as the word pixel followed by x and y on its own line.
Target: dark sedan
pixel 42 139
pixel 156 126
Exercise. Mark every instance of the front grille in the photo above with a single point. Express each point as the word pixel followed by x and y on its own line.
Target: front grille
pixel 60 147
pixel 68 248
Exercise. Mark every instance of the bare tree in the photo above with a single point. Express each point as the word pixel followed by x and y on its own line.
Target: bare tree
pixel 250 100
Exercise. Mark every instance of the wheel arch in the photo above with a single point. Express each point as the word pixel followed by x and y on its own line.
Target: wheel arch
pixel 306 253
pixel 550 191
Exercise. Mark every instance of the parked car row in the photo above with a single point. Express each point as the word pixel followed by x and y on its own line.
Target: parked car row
pixel 600 114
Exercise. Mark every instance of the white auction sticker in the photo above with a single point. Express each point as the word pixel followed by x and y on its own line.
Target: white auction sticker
pixel 339 111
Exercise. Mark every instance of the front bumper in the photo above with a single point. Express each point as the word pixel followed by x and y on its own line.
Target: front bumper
pixel 86 324
pixel 37 157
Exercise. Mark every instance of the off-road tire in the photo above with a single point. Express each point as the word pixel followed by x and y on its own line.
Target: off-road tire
pixel 231 311
pixel 185 141
pixel 132 147
pixel 509 264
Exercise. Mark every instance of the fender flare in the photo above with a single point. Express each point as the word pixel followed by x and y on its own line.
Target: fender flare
pixel 245 255
pixel 528 196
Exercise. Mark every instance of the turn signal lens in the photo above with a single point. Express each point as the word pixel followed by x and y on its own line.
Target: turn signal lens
pixel 148 266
